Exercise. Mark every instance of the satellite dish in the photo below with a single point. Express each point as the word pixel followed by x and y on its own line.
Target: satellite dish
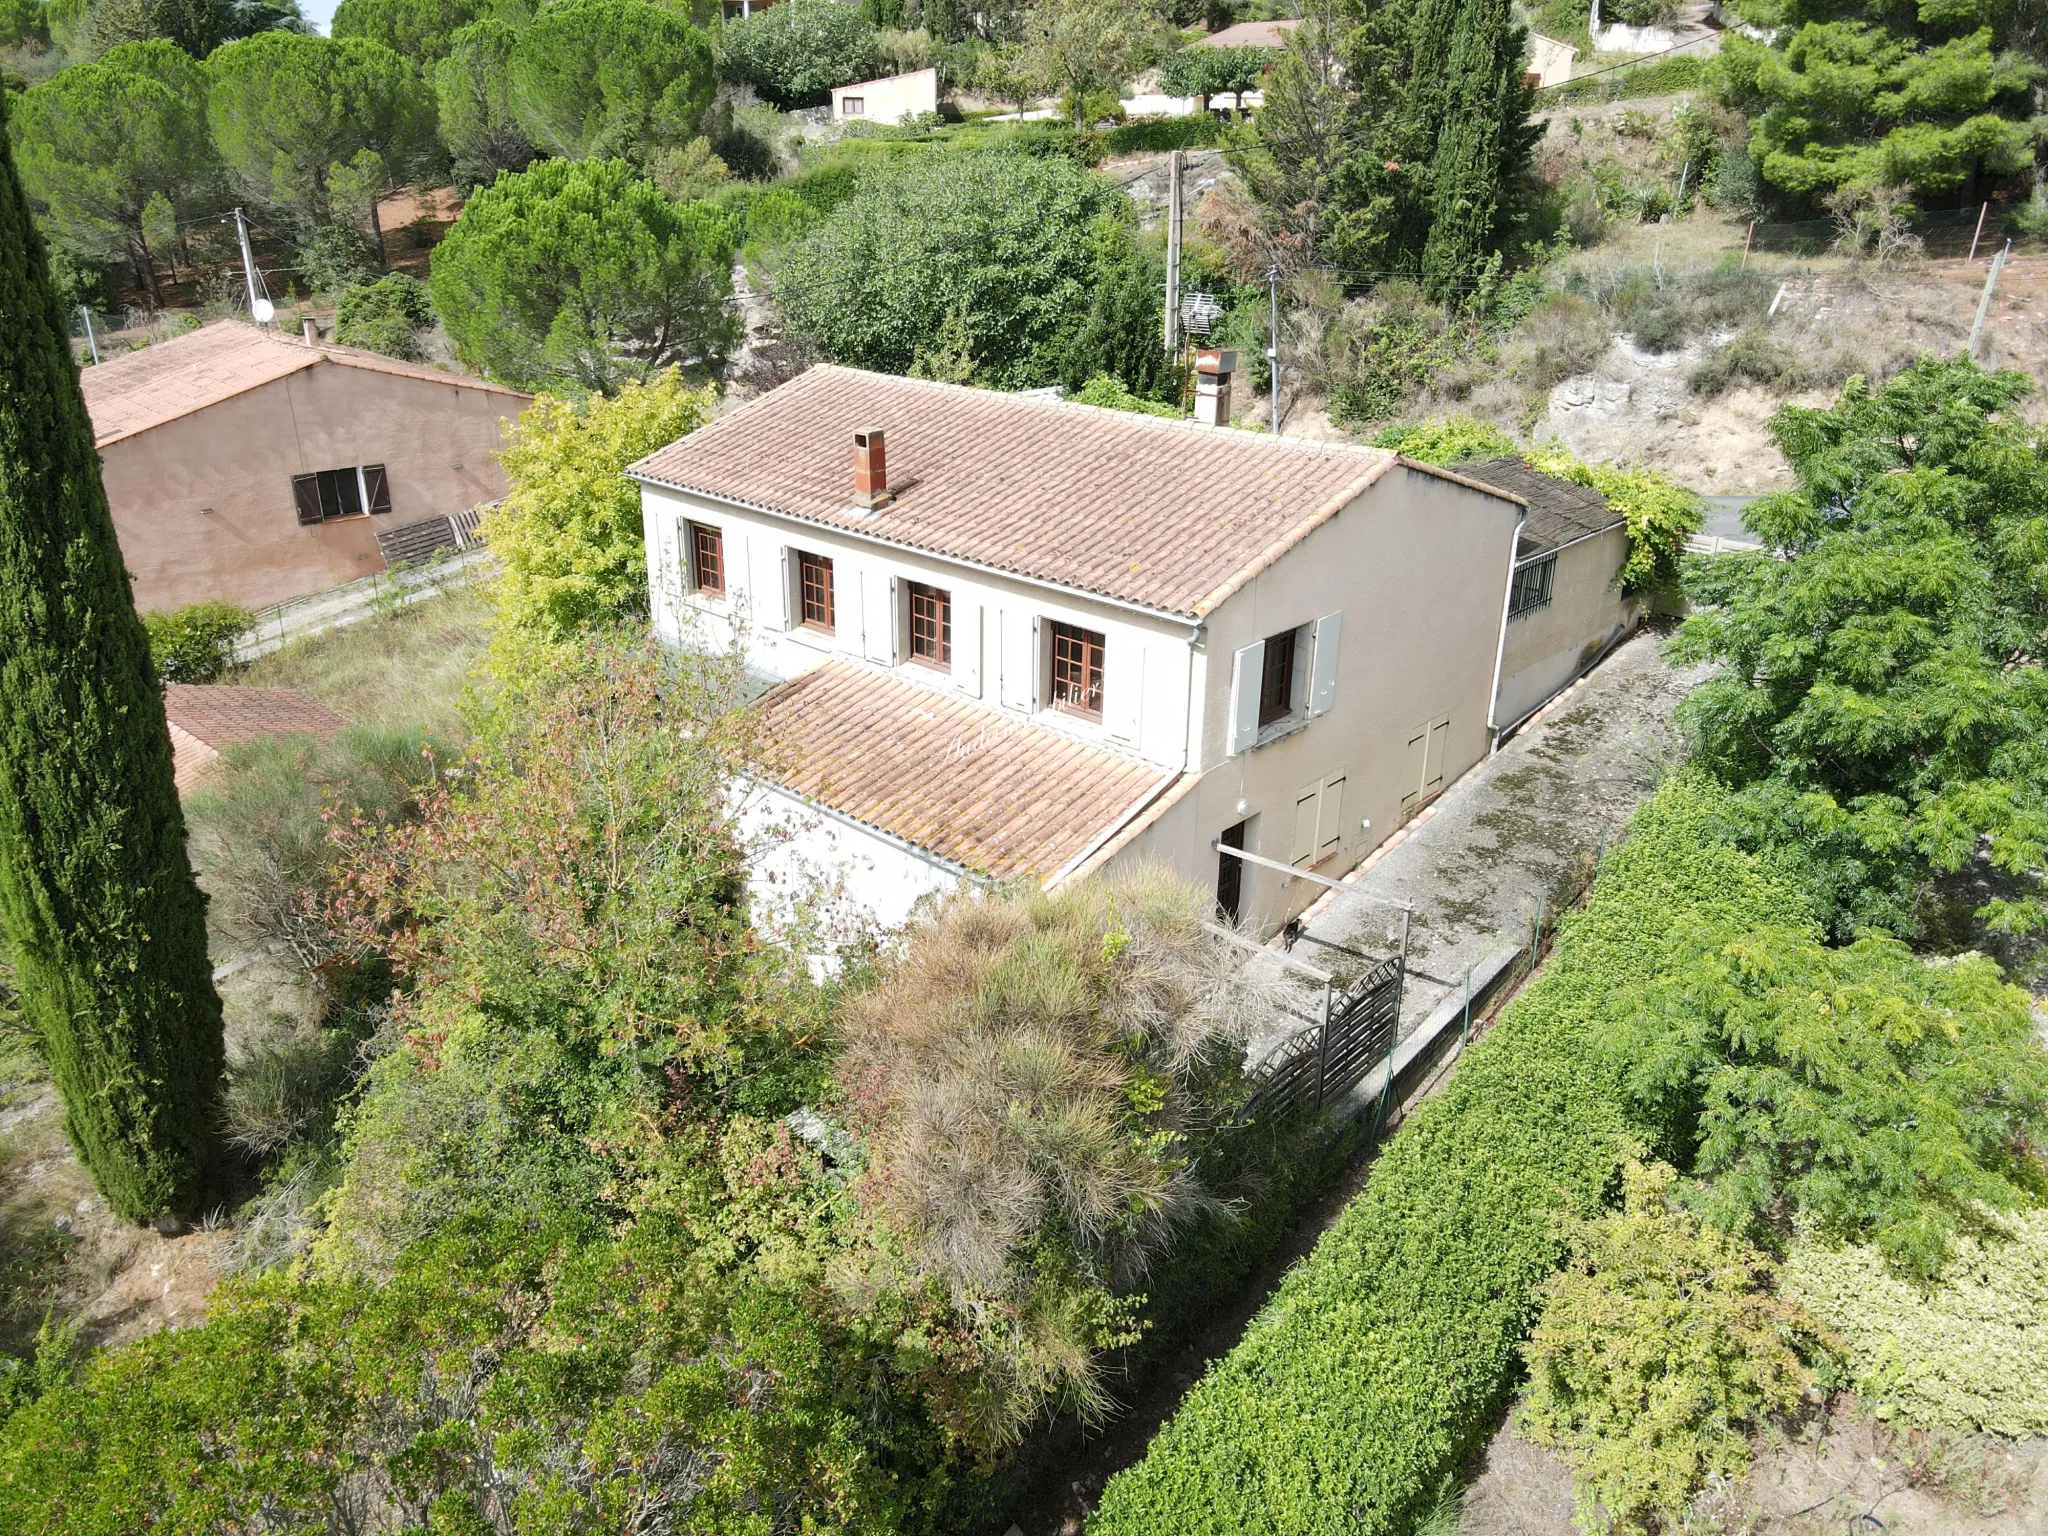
pixel 263 311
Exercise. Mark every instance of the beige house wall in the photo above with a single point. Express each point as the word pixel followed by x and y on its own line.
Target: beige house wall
pixel 203 505
pixel 889 100
pixel 1418 567
pixel 1550 646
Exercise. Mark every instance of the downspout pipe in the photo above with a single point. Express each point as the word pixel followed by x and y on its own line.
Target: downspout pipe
pixel 1500 649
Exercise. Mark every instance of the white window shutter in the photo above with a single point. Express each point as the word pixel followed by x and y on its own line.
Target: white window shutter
pixel 967 647
pixel 1247 669
pixel 770 583
pixel 878 615
pixel 1014 632
pixel 1038 665
pixel 1322 686
pixel 1330 816
pixel 792 599
pixel 849 608
pixel 1123 685
pixel 1418 765
pixel 1306 801
pixel 1433 770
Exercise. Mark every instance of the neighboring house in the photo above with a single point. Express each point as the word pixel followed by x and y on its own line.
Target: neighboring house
pixel 1249 34
pixel 245 465
pixel 205 718
pixel 1566 609
pixel 887 101
pixel 1550 60
pixel 1027 639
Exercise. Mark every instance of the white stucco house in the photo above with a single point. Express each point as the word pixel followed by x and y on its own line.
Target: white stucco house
pixel 888 101
pixel 1010 639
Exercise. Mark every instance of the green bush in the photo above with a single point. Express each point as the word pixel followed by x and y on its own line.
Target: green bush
pixel 796 52
pixel 1972 1353
pixel 386 316
pixel 1659 1350
pixel 1110 393
pixel 195 644
pixel 1687 72
pixel 1380 1365
pixel 1445 440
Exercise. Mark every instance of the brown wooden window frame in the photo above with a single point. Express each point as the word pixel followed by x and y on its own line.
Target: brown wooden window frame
pixel 707 559
pixel 329 495
pixel 931 625
pixel 1077 670
pixel 1276 679
pixel 817 606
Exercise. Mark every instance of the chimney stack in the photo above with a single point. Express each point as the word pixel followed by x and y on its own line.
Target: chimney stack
pixel 310 329
pixel 870 469
pixel 1213 368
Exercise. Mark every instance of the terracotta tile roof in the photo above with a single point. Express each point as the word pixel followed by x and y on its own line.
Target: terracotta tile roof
pixel 1156 512
pixel 206 717
pixel 143 389
pixel 975 786
pixel 1559 510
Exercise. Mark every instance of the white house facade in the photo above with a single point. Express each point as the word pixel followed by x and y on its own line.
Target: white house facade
pixel 1022 639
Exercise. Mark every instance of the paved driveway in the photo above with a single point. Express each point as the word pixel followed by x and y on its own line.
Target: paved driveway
pixel 1521 827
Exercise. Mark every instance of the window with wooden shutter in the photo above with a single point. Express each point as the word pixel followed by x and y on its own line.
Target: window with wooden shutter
pixel 707 559
pixel 931 626
pixel 814 578
pixel 1276 680
pixel 306 497
pixel 1077 671
pixel 376 489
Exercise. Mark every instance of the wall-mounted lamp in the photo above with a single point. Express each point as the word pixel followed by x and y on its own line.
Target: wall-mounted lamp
pixel 1367 823
pixel 206 511
pixel 1243 806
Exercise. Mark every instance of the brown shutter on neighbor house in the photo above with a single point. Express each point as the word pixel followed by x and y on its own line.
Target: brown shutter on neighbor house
pixel 306 495
pixel 376 489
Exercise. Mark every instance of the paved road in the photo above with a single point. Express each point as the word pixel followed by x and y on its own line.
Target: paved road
pixel 1520 827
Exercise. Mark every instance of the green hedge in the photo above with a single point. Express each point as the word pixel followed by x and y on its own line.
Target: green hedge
pixel 1687 72
pixel 1384 1358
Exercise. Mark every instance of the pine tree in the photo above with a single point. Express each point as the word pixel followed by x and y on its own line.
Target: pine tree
pixel 99 911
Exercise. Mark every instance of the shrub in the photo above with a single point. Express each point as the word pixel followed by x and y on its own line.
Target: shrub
pixel 1749 357
pixel 195 644
pixel 1446 440
pixel 1971 1353
pixel 796 52
pixel 568 532
pixel 1381 1362
pixel 386 316
pixel 1659 1349
pixel 1032 1080
pixel 1110 393
pixel 1660 515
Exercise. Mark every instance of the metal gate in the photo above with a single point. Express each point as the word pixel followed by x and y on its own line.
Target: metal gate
pixel 1324 1062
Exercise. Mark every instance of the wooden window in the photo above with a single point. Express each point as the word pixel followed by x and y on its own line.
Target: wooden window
pixel 1077 671
pixel 814 578
pixel 1531 589
pixel 332 493
pixel 853 106
pixel 931 626
pixel 1276 680
pixel 707 559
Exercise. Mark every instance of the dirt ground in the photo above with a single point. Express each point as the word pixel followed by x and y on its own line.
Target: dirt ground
pixel 1847 1473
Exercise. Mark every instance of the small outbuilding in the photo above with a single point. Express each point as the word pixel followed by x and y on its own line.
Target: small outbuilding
pixel 889 101
pixel 251 467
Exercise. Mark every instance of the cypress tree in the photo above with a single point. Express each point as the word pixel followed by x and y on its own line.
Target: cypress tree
pixel 102 919
pixel 1484 144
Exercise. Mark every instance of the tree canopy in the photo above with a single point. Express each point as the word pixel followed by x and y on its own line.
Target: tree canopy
pixel 1881 703
pixel 422 31
pixel 1009 244
pixel 795 52
pixel 99 141
pixel 473 88
pixel 1206 72
pixel 286 107
pixel 1858 94
pixel 595 78
pixel 581 272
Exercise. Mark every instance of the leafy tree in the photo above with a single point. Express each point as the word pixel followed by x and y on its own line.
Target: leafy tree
pixel 1878 710
pixel 99 141
pixel 1397 139
pixel 386 316
pixel 1659 1348
pixel 473 86
pixel 795 52
pixel 422 31
pixel 568 532
pixel 599 78
pixel 24 24
pixel 1206 72
pixel 583 273
pixel 1123 332
pixel 1075 49
pixel 286 107
pixel 1861 95
pixel 104 926
pixel 1011 242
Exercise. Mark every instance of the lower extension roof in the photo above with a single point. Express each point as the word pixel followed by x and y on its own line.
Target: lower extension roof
pixel 979 788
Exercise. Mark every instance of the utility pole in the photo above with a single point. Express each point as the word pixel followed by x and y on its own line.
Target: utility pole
pixel 91 341
pixel 257 305
pixel 1173 254
pixel 1984 304
pixel 1273 351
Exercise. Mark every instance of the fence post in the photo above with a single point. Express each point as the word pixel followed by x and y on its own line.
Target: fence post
pixel 1323 1046
pixel 1401 981
pixel 1466 1035
pixel 1982 214
pixel 1536 949
pixel 1747 241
